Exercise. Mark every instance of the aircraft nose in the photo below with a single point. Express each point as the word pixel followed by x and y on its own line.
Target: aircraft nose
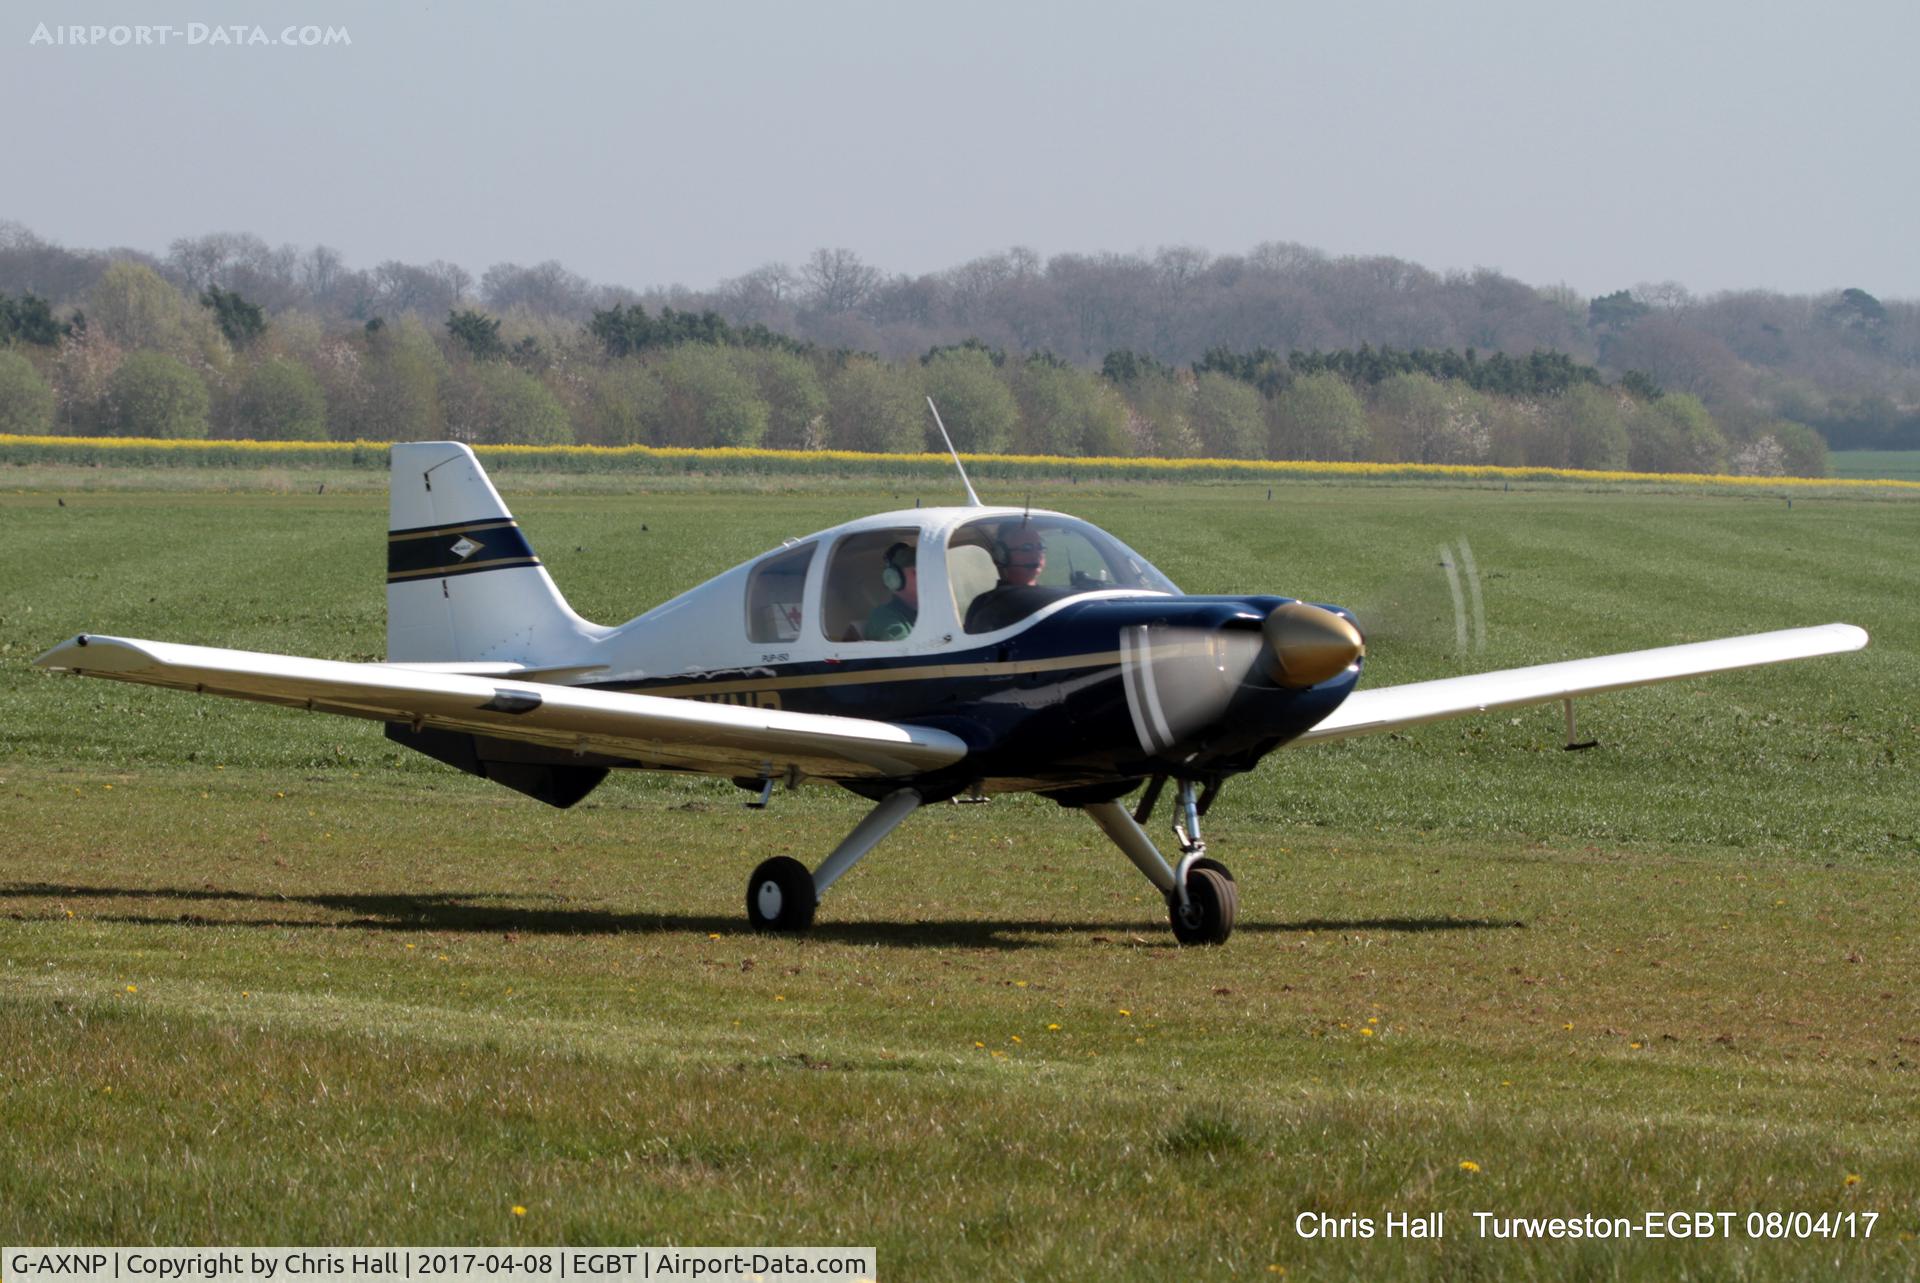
pixel 1308 644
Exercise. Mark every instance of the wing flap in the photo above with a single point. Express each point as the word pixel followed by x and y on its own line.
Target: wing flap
pixel 1389 707
pixel 646 729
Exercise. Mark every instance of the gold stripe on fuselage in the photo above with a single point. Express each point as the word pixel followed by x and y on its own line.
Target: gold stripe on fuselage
pixel 878 676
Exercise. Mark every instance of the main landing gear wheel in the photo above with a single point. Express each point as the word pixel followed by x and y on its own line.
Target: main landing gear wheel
pixel 1212 904
pixel 780 895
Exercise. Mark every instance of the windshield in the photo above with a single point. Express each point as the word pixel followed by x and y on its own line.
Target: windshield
pixel 1002 569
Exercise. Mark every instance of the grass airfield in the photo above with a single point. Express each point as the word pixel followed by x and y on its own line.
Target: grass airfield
pixel 263 979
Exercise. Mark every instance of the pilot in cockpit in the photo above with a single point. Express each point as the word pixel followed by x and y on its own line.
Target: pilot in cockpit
pixel 1020 557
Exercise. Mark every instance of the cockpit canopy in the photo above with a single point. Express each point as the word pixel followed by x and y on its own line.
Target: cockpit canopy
pixel 982 574
pixel 1002 569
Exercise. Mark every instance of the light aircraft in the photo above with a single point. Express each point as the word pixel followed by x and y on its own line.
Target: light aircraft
pixel 911 657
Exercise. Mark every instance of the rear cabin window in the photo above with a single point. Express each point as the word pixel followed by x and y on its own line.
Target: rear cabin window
pixel 775 591
pixel 862 601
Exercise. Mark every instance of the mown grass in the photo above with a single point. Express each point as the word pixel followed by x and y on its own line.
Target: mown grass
pixel 267 981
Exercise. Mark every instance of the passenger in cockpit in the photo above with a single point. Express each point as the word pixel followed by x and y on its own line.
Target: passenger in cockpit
pixel 892 619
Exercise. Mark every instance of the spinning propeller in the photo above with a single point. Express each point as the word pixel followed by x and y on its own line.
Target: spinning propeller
pixel 1179 680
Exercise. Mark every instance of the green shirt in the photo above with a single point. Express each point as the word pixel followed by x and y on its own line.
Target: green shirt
pixel 891 620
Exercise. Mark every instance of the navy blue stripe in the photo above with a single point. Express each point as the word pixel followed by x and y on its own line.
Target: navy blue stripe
pixel 445 526
pixel 437 551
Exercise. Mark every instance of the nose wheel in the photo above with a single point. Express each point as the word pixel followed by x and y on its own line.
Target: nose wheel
pixel 1212 903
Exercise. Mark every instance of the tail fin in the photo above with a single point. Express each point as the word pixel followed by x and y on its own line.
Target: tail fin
pixel 463 583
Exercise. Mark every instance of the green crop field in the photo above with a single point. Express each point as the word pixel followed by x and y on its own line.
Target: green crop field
pixel 263 979
pixel 1897 465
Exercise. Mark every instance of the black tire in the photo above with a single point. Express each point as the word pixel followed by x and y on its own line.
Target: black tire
pixel 1211 909
pixel 780 896
pixel 1233 888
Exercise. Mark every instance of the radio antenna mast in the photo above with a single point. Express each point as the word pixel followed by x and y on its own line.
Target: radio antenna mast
pixel 973 499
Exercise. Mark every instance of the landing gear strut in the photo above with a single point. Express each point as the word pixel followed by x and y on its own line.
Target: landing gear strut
pixel 782 895
pixel 1202 901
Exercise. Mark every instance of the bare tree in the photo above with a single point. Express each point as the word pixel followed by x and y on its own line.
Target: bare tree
pixel 545 289
pixel 764 296
pixel 837 281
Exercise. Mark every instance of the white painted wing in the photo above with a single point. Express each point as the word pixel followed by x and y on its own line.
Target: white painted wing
pixel 1388 707
pixel 649 730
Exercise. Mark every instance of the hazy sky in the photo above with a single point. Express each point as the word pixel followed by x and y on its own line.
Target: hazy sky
pixel 1724 144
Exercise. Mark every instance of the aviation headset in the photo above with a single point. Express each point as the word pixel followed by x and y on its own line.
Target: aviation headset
pixel 900 557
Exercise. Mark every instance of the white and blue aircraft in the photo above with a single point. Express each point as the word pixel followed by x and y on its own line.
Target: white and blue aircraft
pixel 909 657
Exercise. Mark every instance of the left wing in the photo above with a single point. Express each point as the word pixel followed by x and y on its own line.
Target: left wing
pixel 1389 707
pixel 648 730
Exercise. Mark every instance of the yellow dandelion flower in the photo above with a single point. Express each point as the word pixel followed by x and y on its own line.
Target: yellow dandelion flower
pixel 1636 1045
pixel 779 997
pixel 1468 1165
pixel 133 988
pixel 1568 1026
pixel 1366 1033
pixel 1851 1181
pixel 713 935
pixel 1053 1027
pixel 980 1045
pixel 1125 1012
pixel 1016 1037
pixel 519 1210
pixel 410 946
pixel 1019 984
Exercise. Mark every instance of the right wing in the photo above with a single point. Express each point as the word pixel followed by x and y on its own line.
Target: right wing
pixel 648 730
pixel 1389 707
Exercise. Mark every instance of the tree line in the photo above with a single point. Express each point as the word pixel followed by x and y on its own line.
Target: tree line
pixel 566 361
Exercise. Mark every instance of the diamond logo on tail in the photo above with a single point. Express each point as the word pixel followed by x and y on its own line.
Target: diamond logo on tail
pixel 465 548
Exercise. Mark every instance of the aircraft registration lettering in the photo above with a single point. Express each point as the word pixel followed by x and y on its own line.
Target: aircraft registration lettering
pixel 741 699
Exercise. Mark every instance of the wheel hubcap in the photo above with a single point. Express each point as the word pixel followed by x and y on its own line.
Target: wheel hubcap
pixel 770 900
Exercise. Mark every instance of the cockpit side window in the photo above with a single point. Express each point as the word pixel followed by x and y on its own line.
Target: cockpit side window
pixel 873 586
pixel 1003 569
pixel 775 590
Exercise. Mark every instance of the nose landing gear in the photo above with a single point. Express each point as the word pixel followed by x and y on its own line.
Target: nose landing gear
pixel 1202 901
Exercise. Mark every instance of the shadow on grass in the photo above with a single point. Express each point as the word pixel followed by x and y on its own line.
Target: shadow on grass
pixel 459 911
